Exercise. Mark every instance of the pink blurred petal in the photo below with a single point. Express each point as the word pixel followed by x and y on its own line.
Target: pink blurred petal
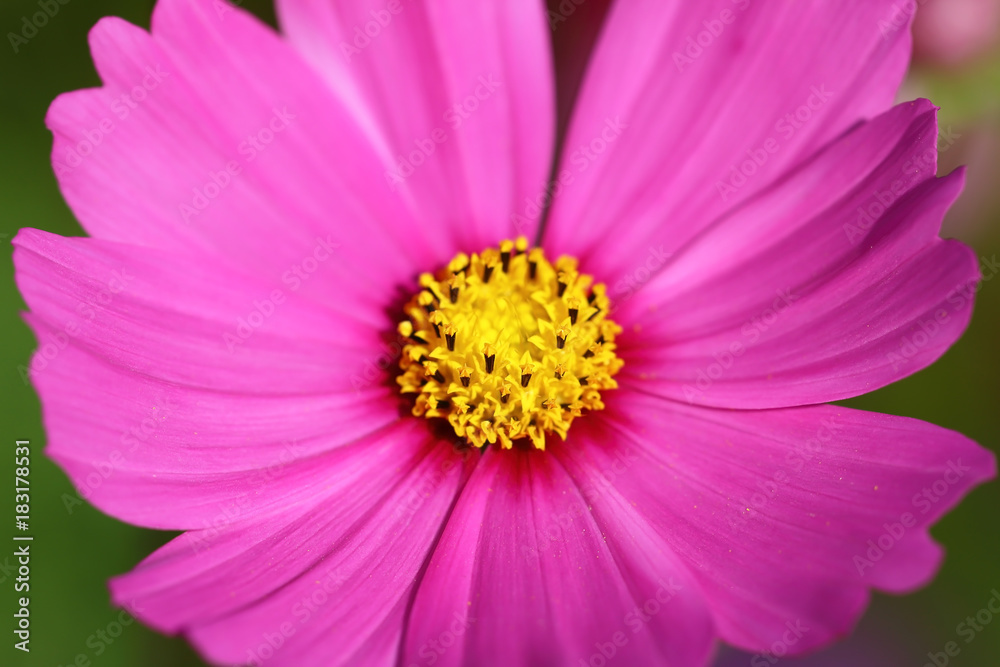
pixel 775 512
pixel 524 575
pixel 830 284
pixel 478 74
pixel 662 131
pixel 324 582
pixel 165 388
pixel 235 152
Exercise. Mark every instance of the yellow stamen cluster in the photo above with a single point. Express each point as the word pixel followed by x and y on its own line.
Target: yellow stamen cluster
pixel 505 345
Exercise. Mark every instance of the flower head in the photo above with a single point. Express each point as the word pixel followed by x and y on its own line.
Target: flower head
pixel 506 345
pixel 304 246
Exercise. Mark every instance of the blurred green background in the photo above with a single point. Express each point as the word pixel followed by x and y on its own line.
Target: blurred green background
pixel 75 553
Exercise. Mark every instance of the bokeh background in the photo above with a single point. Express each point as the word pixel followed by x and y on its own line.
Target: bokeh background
pixel 77 549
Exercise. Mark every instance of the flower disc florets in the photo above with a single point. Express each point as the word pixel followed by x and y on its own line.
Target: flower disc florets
pixel 505 345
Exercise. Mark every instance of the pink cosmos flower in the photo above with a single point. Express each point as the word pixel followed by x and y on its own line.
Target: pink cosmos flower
pixel 215 357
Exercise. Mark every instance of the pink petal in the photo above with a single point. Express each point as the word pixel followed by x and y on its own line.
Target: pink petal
pixel 785 518
pixel 463 92
pixel 523 575
pixel 830 284
pixel 324 582
pixel 155 414
pixel 212 137
pixel 653 135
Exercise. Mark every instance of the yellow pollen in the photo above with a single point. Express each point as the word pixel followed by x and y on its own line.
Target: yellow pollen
pixel 506 345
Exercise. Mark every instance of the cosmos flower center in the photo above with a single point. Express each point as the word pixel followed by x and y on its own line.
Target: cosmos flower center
pixel 506 345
